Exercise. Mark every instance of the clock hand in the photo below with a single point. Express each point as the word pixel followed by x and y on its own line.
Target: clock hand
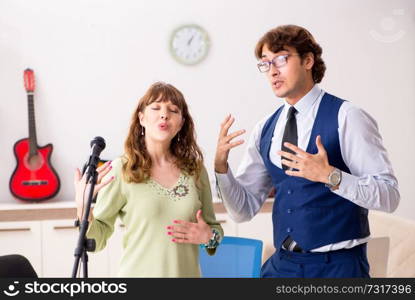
pixel 190 41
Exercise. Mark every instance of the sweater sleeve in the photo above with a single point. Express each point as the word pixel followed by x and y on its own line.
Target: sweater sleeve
pixel 208 213
pixel 110 201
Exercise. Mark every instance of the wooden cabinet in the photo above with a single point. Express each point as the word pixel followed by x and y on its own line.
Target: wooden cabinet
pixel 50 244
pixel 59 239
pixel 24 238
pixel 229 226
pixel 260 228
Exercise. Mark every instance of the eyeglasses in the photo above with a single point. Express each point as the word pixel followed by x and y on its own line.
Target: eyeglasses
pixel 278 61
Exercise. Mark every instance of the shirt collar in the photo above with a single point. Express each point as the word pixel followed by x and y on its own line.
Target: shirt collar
pixel 305 103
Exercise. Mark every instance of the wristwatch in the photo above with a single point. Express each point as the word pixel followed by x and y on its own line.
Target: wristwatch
pixel 214 240
pixel 335 177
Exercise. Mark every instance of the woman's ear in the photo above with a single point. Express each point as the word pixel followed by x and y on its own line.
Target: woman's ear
pixel 140 117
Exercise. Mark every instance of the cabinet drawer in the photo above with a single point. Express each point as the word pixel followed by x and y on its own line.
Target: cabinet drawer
pixel 22 238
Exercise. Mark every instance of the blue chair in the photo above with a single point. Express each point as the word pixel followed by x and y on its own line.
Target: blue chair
pixel 235 258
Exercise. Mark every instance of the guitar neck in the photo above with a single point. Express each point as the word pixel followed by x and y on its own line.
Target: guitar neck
pixel 32 124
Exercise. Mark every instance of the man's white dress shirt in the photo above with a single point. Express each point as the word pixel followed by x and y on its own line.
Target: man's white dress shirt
pixel 371 184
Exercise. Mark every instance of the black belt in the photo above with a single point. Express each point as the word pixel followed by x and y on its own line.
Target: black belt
pixel 290 245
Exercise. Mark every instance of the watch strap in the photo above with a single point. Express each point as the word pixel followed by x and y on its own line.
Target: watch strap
pixel 214 240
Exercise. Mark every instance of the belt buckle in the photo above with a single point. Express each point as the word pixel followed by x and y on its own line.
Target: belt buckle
pixel 287 244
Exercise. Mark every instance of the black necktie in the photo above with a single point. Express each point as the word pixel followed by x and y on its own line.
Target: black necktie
pixel 290 136
pixel 290 133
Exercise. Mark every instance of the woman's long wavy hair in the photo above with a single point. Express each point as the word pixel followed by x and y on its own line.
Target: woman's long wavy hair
pixel 187 154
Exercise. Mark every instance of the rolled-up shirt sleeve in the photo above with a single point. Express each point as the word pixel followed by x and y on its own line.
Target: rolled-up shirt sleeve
pixel 244 194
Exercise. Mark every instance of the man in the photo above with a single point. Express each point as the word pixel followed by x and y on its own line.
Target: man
pixel 323 156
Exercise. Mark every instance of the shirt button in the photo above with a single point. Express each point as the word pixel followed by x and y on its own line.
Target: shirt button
pixel 289 229
pixel 289 210
pixel 289 192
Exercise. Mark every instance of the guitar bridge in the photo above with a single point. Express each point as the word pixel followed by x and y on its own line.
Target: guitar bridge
pixel 35 182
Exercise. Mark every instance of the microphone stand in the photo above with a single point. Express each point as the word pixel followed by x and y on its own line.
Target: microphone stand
pixel 85 244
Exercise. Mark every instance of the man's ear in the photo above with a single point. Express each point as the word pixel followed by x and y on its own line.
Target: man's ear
pixel 308 61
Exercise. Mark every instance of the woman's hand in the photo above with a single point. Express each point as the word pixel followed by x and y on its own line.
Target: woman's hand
pixel 80 185
pixel 190 233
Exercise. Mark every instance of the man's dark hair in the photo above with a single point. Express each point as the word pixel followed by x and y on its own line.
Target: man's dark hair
pixel 300 39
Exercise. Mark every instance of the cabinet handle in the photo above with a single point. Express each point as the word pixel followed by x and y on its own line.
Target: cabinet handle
pixel 63 227
pixel 14 229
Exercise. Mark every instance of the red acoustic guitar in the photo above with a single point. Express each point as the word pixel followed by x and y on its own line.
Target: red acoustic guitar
pixel 34 178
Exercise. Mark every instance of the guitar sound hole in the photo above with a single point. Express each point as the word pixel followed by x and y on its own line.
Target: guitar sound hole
pixel 35 162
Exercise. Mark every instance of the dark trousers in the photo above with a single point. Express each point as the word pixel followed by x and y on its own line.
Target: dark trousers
pixel 344 263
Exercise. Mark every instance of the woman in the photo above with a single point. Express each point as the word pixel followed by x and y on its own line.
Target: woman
pixel 160 190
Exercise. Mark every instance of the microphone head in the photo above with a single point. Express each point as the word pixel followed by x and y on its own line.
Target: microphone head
pixel 98 142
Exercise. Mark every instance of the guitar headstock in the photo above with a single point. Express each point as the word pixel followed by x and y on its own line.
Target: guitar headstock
pixel 29 80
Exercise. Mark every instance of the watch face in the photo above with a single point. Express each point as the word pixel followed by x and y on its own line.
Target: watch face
pixel 335 179
pixel 189 44
pixel 217 237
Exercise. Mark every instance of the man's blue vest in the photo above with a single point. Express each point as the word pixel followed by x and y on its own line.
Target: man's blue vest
pixel 308 211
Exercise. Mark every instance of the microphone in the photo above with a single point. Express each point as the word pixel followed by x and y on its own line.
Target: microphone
pixel 97 145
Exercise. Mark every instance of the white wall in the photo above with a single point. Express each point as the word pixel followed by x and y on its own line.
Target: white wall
pixel 93 59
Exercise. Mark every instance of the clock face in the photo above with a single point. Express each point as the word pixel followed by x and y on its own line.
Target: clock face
pixel 189 44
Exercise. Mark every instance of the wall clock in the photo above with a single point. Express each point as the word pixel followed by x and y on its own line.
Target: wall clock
pixel 189 44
